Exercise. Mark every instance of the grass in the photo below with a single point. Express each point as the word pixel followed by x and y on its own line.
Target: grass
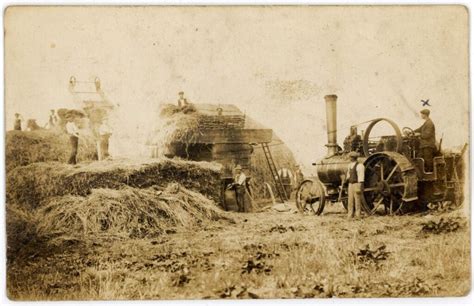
pixel 314 257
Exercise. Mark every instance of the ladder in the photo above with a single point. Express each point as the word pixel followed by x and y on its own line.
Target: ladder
pixel 280 189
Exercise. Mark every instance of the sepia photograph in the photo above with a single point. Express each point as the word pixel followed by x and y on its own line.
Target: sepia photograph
pixel 236 152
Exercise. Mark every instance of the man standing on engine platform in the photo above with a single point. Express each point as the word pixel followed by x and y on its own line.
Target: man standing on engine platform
pixel 427 140
pixel 355 176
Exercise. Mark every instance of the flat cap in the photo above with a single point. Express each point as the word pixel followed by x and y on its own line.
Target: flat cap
pixel 354 154
pixel 181 93
pixel 238 167
pixel 425 111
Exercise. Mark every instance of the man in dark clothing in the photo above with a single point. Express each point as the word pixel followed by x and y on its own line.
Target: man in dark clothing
pixel 427 140
pixel 17 124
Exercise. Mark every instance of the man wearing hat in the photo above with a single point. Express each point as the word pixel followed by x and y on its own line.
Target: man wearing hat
pixel 355 176
pixel 182 102
pixel 17 124
pixel 427 140
pixel 239 186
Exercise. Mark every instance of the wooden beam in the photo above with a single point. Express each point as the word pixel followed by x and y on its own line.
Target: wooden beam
pixel 235 136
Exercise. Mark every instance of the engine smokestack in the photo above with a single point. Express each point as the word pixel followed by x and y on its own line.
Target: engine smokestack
pixel 331 122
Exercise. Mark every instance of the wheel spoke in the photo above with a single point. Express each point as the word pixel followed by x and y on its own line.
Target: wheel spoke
pixel 381 171
pixel 397 185
pixel 392 172
pixel 391 205
pixel 370 189
pixel 377 204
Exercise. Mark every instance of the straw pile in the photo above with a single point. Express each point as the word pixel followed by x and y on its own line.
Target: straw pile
pixel 21 229
pixel 174 126
pixel 125 213
pixel 32 184
pixel 24 148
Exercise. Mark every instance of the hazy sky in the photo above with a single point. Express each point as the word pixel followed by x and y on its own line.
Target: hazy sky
pixel 275 63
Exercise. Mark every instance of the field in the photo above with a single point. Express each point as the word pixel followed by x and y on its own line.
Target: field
pixel 258 255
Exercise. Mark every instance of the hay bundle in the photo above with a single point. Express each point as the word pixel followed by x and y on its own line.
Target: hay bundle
pixel 125 213
pixel 174 126
pixel 24 148
pixel 31 184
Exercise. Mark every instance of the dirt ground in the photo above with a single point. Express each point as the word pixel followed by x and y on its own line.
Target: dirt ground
pixel 260 255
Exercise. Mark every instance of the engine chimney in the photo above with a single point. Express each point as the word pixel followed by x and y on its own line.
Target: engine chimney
pixel 331 122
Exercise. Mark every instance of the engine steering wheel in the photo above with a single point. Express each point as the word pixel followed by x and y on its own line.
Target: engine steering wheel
pixel 408 131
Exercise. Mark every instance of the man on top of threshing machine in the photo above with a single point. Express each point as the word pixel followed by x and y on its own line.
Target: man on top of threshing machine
pixel 401 172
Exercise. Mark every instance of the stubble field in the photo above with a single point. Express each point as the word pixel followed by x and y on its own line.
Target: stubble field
pixel 259 255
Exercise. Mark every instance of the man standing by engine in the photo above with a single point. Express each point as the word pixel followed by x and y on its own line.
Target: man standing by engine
pixel 427 140
pixel 355 176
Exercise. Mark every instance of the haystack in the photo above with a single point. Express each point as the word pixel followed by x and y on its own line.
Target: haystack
pixel 21 226
pixel 176 126
pixel 173 126
pixel 125 213
pixel 24 148
pixel 31 185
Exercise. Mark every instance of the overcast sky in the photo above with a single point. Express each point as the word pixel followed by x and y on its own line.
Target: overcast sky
pixel 275 63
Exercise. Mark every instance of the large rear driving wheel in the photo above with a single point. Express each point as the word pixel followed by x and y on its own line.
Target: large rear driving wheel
pixel 390 182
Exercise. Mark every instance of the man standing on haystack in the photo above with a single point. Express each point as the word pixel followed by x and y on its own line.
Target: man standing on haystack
pixel 53 120
pixel 182 101
pixel 104 135
pixel 73 132
pixel 17 123
pixel 355 176
pixel 184 105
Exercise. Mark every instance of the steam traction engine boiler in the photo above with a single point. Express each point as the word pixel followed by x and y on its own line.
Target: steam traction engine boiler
pixel 396 179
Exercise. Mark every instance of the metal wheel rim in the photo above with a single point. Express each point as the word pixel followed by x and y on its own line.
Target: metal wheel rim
pixel 301 198
pixel 385 187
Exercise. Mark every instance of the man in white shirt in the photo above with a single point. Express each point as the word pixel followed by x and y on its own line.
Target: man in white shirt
pixel 286 179
pixel 355 176
pixel 182 101
pixel 73 132
pixel 105 131
pixel 239 186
